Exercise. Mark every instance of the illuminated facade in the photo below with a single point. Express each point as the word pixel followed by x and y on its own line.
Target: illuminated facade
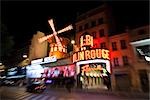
pixel 126 70
pixel 59 52
pixel 92 64
pixel 91 55
pixel 57 48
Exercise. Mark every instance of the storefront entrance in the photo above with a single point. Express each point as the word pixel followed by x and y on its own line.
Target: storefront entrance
pixel 94 76
pixel 144 80
pixel 123 82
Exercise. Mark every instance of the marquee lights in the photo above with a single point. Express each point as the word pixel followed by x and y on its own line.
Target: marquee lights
pixel 107 62
pixel 91 54
pixel 87 68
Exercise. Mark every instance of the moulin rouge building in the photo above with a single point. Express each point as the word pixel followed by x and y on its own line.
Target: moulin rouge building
pixel 99 58
pixel 99 55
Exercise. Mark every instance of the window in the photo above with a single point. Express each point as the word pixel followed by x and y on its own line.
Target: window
pixel 125 60
pixel 80 28
pixel 123 44
pixel 114 46
pixel 141 32
pixel 93 23
pixel 116 62
pixel 100 21
pixel 101 33
pixel 86 26
pixel 103 45
pixel 94 34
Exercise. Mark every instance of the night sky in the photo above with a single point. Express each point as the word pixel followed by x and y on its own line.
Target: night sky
pixel 23 19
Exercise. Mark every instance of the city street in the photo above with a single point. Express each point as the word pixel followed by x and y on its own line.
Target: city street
pixel 19 93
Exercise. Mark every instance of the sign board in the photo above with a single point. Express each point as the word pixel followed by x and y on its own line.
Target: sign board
pixel 44 60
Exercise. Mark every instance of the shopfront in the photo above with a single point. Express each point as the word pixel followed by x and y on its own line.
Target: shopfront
pixel 58 75
pixel 92 65
pixel 93 73
pixel 15 76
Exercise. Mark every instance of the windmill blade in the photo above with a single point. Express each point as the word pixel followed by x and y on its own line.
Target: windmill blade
pixel 58 41
pixel 54 32
pixel 52 25
pixel 42 39
pixel 70 27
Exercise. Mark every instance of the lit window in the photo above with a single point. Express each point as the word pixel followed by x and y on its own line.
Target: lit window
pixel 123 44
pixel 114 46
pixel 125 60
pixel 116 62
pixel 103 45
pixel 101 33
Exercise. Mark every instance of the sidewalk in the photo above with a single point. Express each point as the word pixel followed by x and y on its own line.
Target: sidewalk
pixel 106 92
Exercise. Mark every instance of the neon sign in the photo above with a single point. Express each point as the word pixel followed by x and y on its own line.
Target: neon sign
pixel 44 60
pixel 60 71
pixel 91 54
pixel 87 41
pixel 87 68
pixel 55 47
pixel 93 70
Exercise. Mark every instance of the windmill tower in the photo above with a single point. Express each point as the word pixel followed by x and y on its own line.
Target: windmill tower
pixel 58 48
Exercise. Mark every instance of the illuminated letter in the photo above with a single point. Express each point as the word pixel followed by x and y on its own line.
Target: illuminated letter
pixel 88 40
pixel 87 54
pixel 93 56
pixel 60 48
pixel 81 55
pixel 84 69
pixel 55 48
pixel 91 41
pixel 78 56
pixel 81 41
pixel 52 48
pixel 98 53
pixel 105 54
pixel 74 57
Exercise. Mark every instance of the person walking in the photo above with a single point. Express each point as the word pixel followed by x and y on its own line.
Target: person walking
pixel 68 85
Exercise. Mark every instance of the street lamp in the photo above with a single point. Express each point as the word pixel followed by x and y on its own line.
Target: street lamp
pixel 1 64
pixel 72 42
pixel 24 56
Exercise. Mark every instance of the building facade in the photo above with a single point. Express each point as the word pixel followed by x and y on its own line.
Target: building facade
pixel 140 41
pixel 91 53
pixel 121 61
pixel 127 73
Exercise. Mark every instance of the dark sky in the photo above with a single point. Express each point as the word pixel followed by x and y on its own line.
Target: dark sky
pixel 23 19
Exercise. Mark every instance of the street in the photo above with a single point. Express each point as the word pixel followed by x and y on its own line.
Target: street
pixel 19 93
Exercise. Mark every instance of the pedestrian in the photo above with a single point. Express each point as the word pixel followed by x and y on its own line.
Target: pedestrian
pixel 68 85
